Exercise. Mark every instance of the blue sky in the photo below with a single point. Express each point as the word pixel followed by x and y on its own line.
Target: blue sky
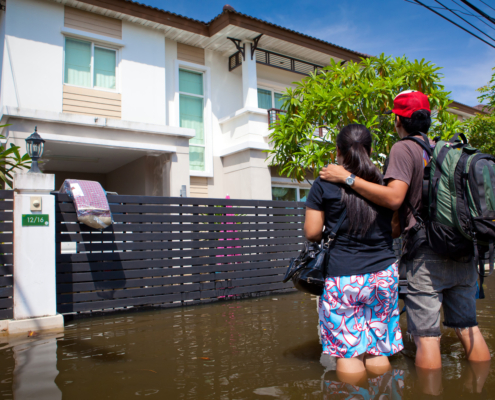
pixel 393 27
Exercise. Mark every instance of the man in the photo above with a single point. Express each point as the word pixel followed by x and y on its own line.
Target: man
pixel 433 280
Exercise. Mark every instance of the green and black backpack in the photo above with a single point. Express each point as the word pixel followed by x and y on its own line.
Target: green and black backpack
pixel 459 189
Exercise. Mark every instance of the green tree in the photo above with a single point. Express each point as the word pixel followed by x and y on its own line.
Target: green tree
pixel 481 128
pixel 11 160
pixel 357 92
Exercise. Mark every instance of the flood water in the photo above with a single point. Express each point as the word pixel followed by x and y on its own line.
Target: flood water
pixel 264 348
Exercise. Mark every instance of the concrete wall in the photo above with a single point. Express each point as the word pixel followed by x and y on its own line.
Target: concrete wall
pixel 34 50
pixel 143 74
pixel 247 175
pixel 128 179
pixel 170 57
pixel 61 176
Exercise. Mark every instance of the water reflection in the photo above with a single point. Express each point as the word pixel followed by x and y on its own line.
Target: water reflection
pixel 387 386
pixel 259 348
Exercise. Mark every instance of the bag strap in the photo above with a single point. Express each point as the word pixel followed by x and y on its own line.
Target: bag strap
pixel 333 233
pixel 456 137
pixel 425 143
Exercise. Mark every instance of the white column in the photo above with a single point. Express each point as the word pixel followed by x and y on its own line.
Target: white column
pixel 249 79
pixel 34 257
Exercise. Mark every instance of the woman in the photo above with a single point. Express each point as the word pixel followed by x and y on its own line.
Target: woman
pixel 359 315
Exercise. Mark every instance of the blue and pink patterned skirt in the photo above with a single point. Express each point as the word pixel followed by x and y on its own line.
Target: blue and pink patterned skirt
pixel 360 314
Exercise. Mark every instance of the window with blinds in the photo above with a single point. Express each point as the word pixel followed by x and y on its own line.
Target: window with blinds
pixel 191 111
pixel 269 99
pixel 89 66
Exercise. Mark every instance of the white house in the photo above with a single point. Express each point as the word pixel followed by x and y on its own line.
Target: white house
pixel 146 101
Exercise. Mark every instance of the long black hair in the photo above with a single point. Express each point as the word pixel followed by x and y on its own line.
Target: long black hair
pixel 354 143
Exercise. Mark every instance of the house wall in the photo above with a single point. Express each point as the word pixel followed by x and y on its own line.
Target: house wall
pixel 170 57
pixel 226 98
pixel 128 179
pixel 142 75
pixel 34 50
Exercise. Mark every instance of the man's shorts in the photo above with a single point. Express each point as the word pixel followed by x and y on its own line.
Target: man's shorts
pixel 434 280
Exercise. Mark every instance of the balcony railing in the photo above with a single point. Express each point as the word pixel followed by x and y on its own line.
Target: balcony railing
pixel 274 116
pixel 278 61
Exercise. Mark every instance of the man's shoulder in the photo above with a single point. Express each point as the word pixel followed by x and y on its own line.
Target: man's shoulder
pixel 406 147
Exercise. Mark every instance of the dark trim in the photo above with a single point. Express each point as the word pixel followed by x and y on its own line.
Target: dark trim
pixel 223 20
pixel 240 49
pixel 254 46
pixel 467 109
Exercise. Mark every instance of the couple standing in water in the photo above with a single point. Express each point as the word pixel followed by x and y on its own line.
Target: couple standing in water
pixel 358 311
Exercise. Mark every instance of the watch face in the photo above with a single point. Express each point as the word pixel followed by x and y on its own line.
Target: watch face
pixel 349 181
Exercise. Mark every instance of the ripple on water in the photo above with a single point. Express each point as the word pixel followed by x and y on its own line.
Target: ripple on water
pixel 257 348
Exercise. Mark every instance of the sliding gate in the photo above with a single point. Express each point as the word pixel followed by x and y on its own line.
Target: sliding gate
pixel 174 251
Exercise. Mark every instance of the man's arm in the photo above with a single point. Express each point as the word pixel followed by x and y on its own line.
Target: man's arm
pixel 391 196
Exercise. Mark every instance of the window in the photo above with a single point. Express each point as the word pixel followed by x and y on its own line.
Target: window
pixel 191 114
pixel 289 193
pixel 90 66
pixel 269 99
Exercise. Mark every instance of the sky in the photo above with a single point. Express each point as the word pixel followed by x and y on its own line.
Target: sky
pixel 393 27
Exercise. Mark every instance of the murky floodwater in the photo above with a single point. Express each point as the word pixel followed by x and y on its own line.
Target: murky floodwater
pixel 249 349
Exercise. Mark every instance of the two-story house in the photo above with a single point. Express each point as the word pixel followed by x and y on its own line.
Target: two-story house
pixel 148 102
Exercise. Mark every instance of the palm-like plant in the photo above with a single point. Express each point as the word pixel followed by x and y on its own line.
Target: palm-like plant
pixel 11 160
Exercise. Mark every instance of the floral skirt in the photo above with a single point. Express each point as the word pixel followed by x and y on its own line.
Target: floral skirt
pixel 360 314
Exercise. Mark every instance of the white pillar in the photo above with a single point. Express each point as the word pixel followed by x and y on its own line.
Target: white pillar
pixel 34 257
pixel 249 79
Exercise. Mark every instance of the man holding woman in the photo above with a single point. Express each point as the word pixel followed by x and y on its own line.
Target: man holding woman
pixel 433 280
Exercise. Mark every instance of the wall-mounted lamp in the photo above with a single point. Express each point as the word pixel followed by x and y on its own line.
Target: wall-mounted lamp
pixel 35 146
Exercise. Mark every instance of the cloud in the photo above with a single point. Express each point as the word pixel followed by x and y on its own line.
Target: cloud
pixel 463 80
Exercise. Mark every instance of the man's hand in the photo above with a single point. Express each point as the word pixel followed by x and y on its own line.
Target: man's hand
pixel 334 173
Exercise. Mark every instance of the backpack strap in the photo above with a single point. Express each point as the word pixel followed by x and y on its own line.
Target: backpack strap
pixel 436 178
pixel 425 143
pixel 455 138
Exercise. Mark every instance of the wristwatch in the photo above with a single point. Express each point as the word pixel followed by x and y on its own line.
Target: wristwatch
pixel 350 180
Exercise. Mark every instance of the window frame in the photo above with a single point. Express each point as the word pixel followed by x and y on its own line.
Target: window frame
pixel 207 113
pixel 93 45
pixel 298 193
pixel 271 90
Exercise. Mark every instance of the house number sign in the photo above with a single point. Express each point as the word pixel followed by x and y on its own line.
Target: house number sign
pixel 35 220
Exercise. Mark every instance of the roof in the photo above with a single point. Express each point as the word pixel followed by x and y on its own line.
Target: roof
pixel 228 17
pixel 283 28
pixel 468 109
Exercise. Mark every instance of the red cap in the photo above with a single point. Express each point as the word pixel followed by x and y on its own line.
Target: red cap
pixel 409 101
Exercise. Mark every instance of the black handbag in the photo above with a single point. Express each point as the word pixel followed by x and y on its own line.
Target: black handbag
pixel 308 270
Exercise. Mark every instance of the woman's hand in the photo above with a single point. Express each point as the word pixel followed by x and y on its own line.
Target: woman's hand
pixel 334 173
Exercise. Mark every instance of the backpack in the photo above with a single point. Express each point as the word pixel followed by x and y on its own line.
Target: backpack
pixel 459 189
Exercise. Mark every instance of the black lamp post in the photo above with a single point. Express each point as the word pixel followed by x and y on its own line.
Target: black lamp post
pixel 35 146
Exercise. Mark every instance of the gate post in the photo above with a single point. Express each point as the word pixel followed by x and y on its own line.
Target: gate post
pixel 34 254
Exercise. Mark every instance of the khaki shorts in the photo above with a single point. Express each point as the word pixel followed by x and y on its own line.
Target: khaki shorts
pixel 433 281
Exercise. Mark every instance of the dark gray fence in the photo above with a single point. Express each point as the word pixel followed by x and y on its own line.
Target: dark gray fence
pixel 6 254
pixel 174 251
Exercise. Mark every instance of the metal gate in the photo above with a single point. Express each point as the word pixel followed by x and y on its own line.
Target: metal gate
pixel 6 254
pixel 174 251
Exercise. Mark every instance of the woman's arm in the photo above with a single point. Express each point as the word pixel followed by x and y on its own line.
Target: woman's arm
pixel 313 225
